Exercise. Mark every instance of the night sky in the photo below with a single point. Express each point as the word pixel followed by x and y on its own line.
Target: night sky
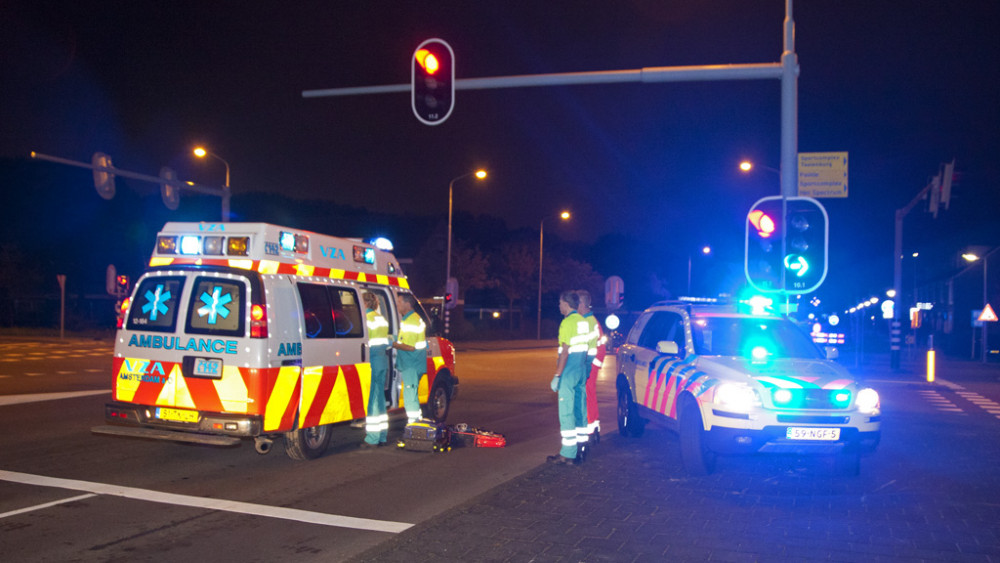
pixel 902 86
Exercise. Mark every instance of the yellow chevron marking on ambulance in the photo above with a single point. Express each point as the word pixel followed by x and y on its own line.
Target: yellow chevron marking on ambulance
pixel 403 283
pixel 438 362
pixel 241 264
pixel 379 278
pixel 311 377
pixel 267 267
pixel 232 390
pixel 338 407
pixel 304 269
pixel 336 274
pixel 175 392
pixel 158 261
pixel 280 396
pixel 125 387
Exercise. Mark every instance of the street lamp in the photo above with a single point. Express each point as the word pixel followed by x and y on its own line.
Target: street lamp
pixel 970 257
pixel 480 175
pixel 747 166
pixel 541 234
pixel 200 152
pixel 705 250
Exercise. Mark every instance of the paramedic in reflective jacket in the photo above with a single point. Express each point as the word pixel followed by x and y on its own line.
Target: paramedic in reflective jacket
pixel 571 373
pixel 377 420
pixel 411 358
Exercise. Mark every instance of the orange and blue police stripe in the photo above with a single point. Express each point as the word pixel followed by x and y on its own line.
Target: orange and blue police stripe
pixel 668 379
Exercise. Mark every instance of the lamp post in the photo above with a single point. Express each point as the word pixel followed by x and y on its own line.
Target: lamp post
pixel 479 174
pixel 201 152
pixel 969 257
pixel 541 236
pixel 705 250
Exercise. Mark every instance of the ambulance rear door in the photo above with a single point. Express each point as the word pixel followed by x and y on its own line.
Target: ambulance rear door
pixel 336 377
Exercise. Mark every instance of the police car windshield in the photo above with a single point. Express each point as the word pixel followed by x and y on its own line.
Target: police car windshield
pixel 739 336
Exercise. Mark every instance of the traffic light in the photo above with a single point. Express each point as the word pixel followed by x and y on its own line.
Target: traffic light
pixel 786 245
pixel 451 294
pixel 762 262
pixel 433 81
pixel 122 282
pixel 806 242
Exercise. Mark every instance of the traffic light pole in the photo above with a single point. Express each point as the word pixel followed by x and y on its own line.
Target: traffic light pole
pixel 895 331
pixel 787 71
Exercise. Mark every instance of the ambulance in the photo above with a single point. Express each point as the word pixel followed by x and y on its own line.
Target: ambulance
pixel 251 330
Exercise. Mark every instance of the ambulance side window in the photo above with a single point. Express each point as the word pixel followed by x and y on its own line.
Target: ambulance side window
pixel 346 313
pixel 330 312
pixel 217 307
pixel 316 310
pixel 155 305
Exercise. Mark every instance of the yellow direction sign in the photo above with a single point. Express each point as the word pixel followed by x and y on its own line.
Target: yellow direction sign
pixel 988 315
pixel 823 174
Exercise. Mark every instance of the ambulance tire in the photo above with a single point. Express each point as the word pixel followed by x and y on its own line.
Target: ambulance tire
pixel 307 443
pixel 629 423
pixel 696 457
pixel 438 402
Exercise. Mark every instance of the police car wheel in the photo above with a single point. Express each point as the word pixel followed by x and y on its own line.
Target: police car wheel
pixel 697 459
pixel 628 419
pixel 307 443
pixel 438 403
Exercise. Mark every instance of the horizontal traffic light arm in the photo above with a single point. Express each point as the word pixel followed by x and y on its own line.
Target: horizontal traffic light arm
pixel 761 71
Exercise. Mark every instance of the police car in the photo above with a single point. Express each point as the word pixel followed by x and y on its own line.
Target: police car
pixel 252 330
pixel 731 382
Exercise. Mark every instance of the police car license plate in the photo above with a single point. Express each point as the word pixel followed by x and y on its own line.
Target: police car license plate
pixel 176 415
pixel 208 367
pixel 794 433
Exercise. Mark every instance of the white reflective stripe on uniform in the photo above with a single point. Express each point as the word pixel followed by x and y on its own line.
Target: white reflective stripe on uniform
pixel 379 342
pixel 597 362
pixel 412 416
pixel 596 425
pixel 418 328
pixel 582 435
pixel 568 437
pixel 577 348
pixel 420 345
pixel 377 423
pixel 378 322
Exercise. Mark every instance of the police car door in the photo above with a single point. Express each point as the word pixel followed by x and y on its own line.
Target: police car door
pixel 652 367
pixel 333 342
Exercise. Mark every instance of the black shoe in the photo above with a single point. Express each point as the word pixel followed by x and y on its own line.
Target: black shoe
pixel 560 460
pixel 581 454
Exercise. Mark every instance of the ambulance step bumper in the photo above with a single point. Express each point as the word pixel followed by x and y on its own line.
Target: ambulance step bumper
pixel 172 435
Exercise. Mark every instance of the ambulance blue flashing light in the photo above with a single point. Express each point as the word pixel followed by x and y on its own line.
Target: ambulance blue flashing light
pixel 190 244
pixel 382 243
pixel 287 241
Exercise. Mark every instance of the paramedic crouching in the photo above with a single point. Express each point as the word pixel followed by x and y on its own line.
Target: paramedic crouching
pixel 411 360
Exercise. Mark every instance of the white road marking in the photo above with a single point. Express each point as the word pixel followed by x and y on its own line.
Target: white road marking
pixel 208 503
pixel 38 397
pixel 46 505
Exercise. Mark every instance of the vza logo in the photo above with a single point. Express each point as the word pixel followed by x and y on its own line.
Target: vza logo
pixel 144 371
pixel 330 252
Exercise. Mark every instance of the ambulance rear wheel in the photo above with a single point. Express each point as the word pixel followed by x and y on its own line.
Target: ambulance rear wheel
pixel 438 403
pixel 307 443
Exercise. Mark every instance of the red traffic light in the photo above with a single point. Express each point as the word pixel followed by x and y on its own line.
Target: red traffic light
pixel 448 297
pixel 123 281
pixel 427 61
pixel 762 222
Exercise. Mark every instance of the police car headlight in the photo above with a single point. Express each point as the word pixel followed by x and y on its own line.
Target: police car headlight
pixel 867 400
pixel 736 397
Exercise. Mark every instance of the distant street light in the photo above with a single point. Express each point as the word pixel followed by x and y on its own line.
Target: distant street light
pixel 480 175
pixel 200 152
pixel 541 233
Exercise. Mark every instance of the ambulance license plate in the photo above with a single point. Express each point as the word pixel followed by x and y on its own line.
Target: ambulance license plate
pixel 830 434
pixel 176 415
pixel 208 367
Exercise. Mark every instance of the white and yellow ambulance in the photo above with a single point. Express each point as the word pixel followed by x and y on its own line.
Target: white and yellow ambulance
pixel 251 330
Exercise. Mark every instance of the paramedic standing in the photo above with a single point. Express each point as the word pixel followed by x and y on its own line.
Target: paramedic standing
pixel 569 379
pixel 596 352
pixel 412 356
pixel 377 421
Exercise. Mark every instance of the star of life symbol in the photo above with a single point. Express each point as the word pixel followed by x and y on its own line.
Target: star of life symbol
pixel 215 305
pixel 156 302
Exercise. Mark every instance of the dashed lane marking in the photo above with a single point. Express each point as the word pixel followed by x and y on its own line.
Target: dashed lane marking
pixel 38 397
pixel 208 503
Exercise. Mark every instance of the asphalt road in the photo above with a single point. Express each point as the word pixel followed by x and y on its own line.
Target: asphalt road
pixel 931 491
pixel 126 499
